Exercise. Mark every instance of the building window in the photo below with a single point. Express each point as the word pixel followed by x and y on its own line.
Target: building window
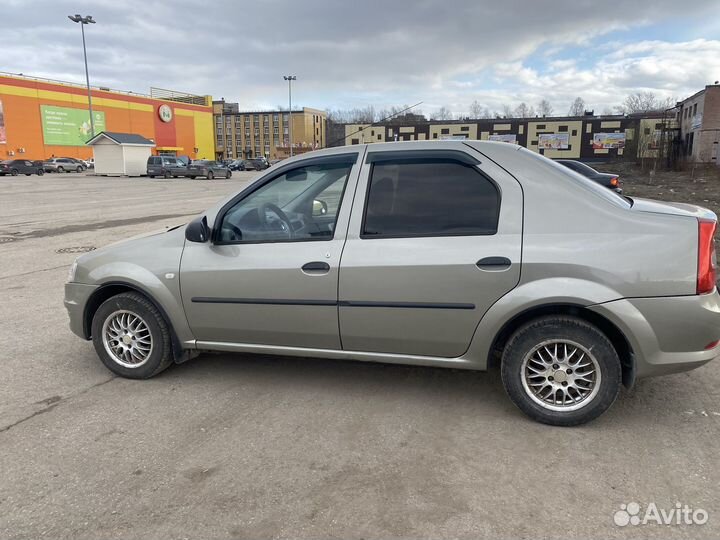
pixel 445 131
pixel 562 129
pixel 540 126
pixel 275 117
pixel 574 132
pixel 379 137
pixel 257 132
pixel 434 135
pixel 465 128
pixel 354 141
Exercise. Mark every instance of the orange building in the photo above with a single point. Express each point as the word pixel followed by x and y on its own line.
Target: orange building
pixel 41 118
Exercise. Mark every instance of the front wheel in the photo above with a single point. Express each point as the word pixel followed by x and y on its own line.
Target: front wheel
pixel 561 370
pixel 79 169
pixel 167 174
pixel 41 172
pixel 60 170
pixel 14 172
pixel 228 175
pixel 131 337
pixel 210 175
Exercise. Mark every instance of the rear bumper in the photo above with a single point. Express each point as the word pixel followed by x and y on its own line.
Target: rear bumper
pixel 667 334
pixel 76 297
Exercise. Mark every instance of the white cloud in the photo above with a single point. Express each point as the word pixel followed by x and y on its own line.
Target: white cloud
pixel 376 52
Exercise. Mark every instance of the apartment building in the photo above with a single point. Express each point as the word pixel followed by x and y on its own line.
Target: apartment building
pixel 248 134
pixel 699 120
pixel 586 137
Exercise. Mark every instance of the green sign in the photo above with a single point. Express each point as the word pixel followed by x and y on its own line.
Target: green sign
pixel 63 126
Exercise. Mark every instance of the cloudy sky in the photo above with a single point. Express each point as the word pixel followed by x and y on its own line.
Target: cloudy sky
pixel 349 54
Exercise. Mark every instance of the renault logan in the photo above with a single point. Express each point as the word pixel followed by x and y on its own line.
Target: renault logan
pixel 453 254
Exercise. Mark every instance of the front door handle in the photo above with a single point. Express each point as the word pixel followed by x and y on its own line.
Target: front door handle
pixel 493 263
pixel 316 267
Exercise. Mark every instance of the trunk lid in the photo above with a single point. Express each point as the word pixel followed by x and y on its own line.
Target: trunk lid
pixel 672 208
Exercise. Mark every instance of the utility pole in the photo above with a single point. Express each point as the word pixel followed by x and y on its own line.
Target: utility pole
pixel 290 79
pixel 83 21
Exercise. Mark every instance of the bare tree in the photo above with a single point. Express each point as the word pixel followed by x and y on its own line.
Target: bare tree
pixel 443 113
pixel 524 111
pixel 476 110
pixel 544 108
pixel 577 108
pixel 507 111
pixel 641 102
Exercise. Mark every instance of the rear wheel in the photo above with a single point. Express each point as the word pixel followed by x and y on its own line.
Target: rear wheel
pixel 14 172
pixel 228 174
pixel 192 178
pixel 60 169
pixel 131 337
pixel 210 175
pixel 561 370
pixel 40 172
pixel 79 169
pixel 167 174
pixel 151 176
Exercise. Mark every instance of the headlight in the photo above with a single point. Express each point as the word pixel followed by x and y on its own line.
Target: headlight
pixel 71 272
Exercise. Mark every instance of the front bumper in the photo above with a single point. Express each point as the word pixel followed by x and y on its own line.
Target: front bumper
pixel 667 334
pixel 76 298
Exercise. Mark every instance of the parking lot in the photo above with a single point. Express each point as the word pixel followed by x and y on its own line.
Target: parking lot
pixel 233 446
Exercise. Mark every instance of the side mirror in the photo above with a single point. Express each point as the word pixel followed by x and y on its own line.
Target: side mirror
pixel 197 230
pixel 320 208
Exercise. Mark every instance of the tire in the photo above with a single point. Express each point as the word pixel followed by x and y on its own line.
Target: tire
pixel 27 174
pixel 151 176
pixel 192 178
pixel 79 169
pixel 167 174
pixel 228 175
pixel 210 175
pixel 14 172
pixel 41 172
pixel 60 169
pixel 529 363
pixel 126 364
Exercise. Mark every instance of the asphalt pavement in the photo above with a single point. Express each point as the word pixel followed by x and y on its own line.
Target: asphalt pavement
pixel 240 446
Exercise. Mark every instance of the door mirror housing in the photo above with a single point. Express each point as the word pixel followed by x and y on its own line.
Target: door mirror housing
pixel 197 230
pixel 320 208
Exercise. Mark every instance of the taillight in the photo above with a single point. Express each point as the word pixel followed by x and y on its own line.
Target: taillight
pixel 614 182
pixel 707 260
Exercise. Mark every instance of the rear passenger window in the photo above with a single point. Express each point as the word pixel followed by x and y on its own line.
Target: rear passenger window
pixel 429 197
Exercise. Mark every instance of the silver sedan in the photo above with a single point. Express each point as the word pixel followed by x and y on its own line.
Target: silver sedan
pixel 470 255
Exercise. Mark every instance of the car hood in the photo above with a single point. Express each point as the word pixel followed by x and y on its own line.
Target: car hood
pixel 677 209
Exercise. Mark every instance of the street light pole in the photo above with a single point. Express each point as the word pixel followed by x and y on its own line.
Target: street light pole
pixel 290 79
pixel 83 21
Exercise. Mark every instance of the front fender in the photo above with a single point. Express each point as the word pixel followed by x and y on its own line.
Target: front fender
pixel 162 290
pixel 526 296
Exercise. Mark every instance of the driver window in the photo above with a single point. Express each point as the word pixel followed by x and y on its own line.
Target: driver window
pixel 299 205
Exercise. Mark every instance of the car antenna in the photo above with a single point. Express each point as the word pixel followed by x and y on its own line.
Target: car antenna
pixel 374 124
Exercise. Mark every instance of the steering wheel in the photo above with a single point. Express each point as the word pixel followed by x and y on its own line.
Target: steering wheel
pixel 285 223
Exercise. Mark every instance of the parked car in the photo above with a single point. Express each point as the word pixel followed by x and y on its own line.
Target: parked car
pixel 237 165
pixel 21 166
pixel 208 169
pixel 469 255
pixel 611 181
pixel 89 163
pixel 165 166
pixel 256 164
pixel 80 162
pixel 61 165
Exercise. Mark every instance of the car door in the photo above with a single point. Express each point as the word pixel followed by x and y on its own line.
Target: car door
pixel 434 240
pixel 270 275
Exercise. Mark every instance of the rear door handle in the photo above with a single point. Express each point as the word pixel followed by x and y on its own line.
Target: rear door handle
pixel 493 263
pixel 316 267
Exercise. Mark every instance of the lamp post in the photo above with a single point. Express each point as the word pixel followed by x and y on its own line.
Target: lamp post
pixel 290 79
pixel 83 21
